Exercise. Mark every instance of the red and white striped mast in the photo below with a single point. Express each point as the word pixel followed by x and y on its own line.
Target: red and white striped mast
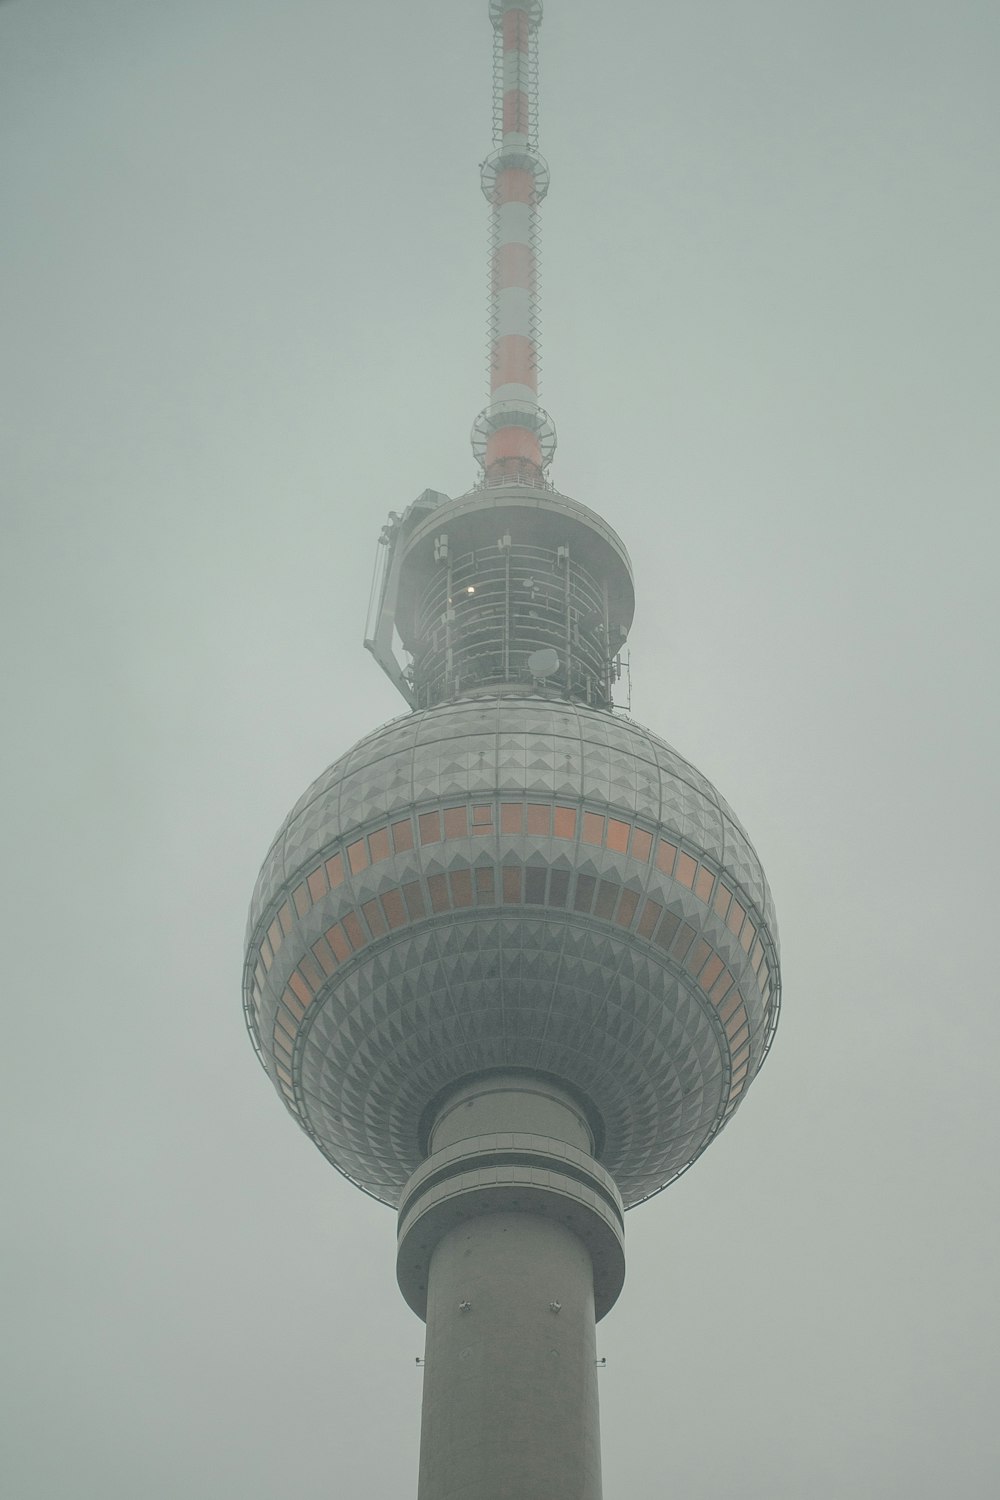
pixel 514 439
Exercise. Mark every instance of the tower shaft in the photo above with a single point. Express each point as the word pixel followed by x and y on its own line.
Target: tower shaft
pixel 506 1255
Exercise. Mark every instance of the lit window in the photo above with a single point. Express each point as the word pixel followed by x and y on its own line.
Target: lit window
pixel 338 942
pixel 286 1027
pixel 402 836
pixel 295 1006
pixel 482 819
pixel 703 884
pixel 642 843
pixel 539 818
pixel 665 855
pixel 335 871
pixel 317 883
pixel 735 919
pixel 618 833
pixel 710 972
pixel 723 896
pixel 699 953
pixel 682 942
pixel 285 918
pixel 437 887
pixel 684 873
pixel 731 1005
pixel 593 828
pixel 357 856
pixel 455 823
pixel 266 956
pixel 275 935
pixel 395 912
pixel 284 1075
pixel 741 1036
pixel 353 928
pixel 300 896
pixel 430 828
pixel 373 916
pixel 378 845
pixel 511 817
pixel 311 974
pixel 747 935
pixel 756 955
pixel 565 823
pixel 721 987
pixel 327 962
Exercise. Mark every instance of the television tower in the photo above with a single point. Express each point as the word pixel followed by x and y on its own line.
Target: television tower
pixel 511 961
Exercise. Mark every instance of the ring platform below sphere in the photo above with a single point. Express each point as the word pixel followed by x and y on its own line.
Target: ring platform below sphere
pixel 512 882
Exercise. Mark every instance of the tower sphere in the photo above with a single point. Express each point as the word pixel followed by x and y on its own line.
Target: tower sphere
pixel 512 881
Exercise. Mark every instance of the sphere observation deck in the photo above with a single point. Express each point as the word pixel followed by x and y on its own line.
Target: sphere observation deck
pixel 512 880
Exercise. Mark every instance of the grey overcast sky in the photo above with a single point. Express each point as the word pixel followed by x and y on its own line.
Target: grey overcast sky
pixel 243 295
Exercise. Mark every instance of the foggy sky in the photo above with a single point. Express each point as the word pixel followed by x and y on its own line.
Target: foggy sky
pixel 242 273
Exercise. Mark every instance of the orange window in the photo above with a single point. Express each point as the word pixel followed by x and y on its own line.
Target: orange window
pixel 395 911
pixel 327 962
pixel 284 1075
pixel 618 833
pixel 300 896
pixel 374 918
pixel 665 855
pixel 511 817
pixel 741 1057
pixel 283 1024
pixel 378 845
pixel 310 974
pixel 584 893
pixel 317 883
pixel 642 843
pixel 430 828
pixel 747 935
pixel 757 955
pixel 352 927
pixel 484 887
pixel 626 908
pixel 607 895
pixel 721 987
pixel 282 1045
pixel 357 856
pixel 710 972
pixel 723 896
pixel 295 1006
pixel 731 1005
pixel 740 1037
pixel 335 871
pixel 482 819
pixel 593 828
pixel 512 883
pixel 456 821
pixel 437 887
pixel 402 836
pixel 337 939
pixel 684 873
pixel 558 887
pixel 539 818
pixel 736 1022
pixel 650 917
pixel 565 823
pixel 703 884
pixel 461 887
pixel 699 953
pixel 275 935
pixel 266 956
pixel 736 1087
pixel 414 898
pixel 735 919
pixel 285 918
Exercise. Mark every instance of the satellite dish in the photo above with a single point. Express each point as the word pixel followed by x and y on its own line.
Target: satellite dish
pixel 542 664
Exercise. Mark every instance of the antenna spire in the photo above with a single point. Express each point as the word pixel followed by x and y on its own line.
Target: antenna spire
pixel 513 438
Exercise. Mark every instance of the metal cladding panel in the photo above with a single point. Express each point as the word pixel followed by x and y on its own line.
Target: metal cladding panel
pixel 504 882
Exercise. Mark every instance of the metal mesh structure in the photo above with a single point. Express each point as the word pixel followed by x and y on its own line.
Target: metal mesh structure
pixel 505 882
